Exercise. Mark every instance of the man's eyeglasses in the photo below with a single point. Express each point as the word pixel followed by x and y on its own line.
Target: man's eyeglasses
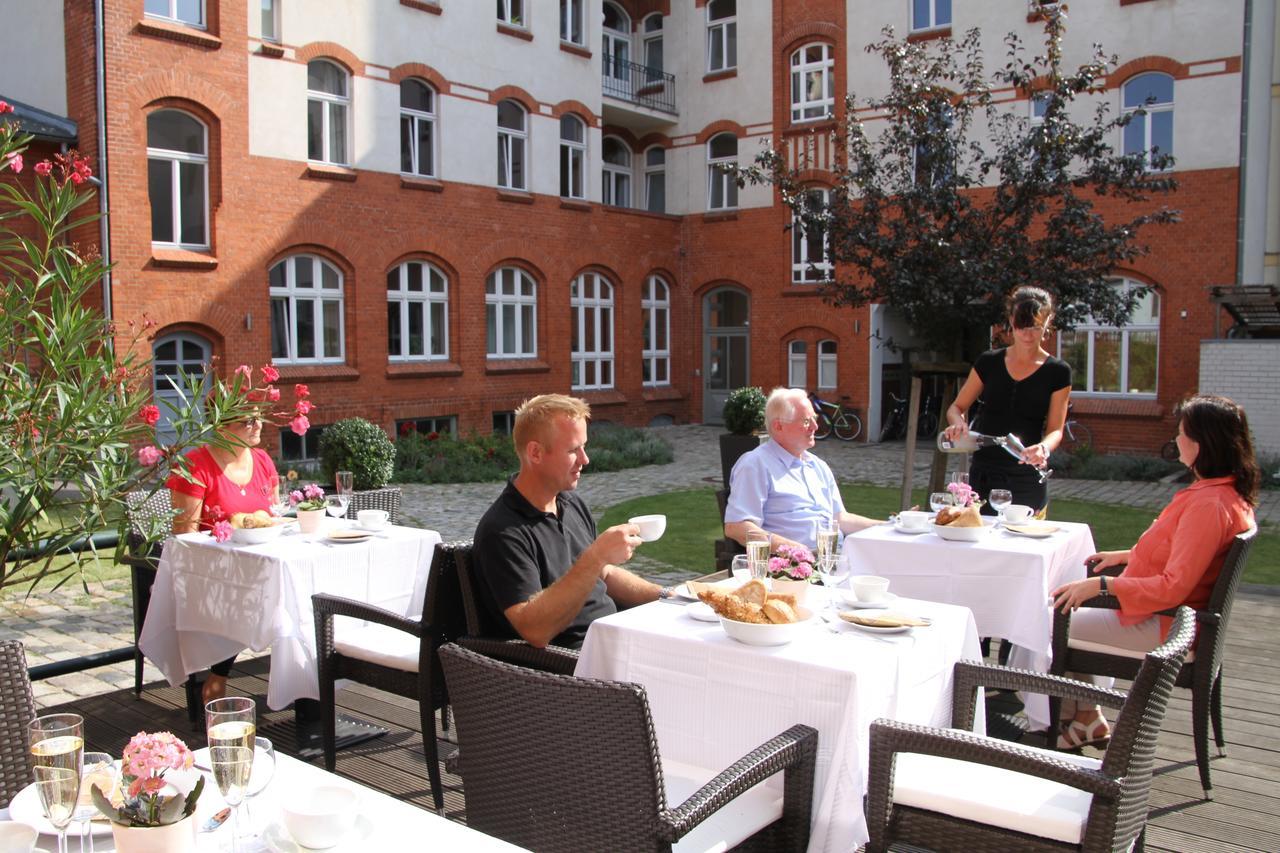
pixel 804 422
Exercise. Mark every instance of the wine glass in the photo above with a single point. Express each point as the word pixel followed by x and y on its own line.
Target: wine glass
pixel 100 770
pixel 999 499
pixel 336 505
pixel 232 766
pixel 57 753
pixel 961 477
pixel 264 766
pixel 231 727
pixel 344 481
pixel 940 500
pixel 740 568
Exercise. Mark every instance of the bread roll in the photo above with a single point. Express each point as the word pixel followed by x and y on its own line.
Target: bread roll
pixel 968 517
pixel 753 592
pixel 238 519
pixel 779 612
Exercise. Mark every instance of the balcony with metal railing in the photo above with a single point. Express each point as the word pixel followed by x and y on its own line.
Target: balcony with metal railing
pixel 651 88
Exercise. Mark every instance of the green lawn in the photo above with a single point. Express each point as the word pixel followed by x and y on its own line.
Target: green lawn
pixel 693 521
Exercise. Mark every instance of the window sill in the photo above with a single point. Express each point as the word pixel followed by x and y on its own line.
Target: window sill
pixel 317 372
pixel 503 366
pixel 802 290
pixel 720 216
pixel 182 259
pixel 575 204
pixel 660 393
pixel 422 369
pixel 1133 2
pixel 178 33
pixel 515 196
pixel 811 125
pixel 329 172
pixel 430 185
pixel 726 74
pixel 423 6
pixel 601 396
pixel 929 35
pixel 575 49
pixel 636 211
pixel 272 51
pixel 1120 406
pixel 515 32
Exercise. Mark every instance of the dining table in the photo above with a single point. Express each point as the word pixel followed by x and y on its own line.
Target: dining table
pixel 712 699
pixel 1004 578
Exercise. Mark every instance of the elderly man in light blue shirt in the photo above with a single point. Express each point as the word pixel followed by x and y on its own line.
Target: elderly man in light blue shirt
pixel 782 489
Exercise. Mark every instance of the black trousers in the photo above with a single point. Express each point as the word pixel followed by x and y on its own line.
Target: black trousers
pixel 223 667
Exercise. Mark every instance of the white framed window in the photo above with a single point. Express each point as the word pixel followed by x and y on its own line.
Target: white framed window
pixel 617 46
pixel 306 311
pixel 328 105
pixel 813 83
pixel 511 12
pixel 615 161
pixel 929 167
pixel 417 128
pixel 591 329
pixel 571 29
pixel 722 35
pixel 178 179
pixel 189 12
pixel 1152 133
pixel 439 425
pixel 722 189
pixel 655 311
pixel 651 29
pixel 176 360
pixel 827 365
pixel 930 14
pixel 655 179
pixel 269 11
pixel 417 313
pixel 511 314
pixel 1116 360
pixel 573 157
pixel 798 364
pixel 1039 106
pixel 810 249
pixel 504 422
pixel 513 137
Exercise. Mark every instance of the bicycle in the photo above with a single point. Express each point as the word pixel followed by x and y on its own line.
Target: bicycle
pixel 927 420
pixel 835 417
pixel 1075 435
pixel 895 425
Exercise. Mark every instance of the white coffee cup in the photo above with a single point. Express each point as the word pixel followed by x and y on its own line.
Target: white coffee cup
pixel 913 519
pixel 869 588
pixel 651 526
pixel 1016 513
pixel 17 837
pixel 372 519
pixel 320 817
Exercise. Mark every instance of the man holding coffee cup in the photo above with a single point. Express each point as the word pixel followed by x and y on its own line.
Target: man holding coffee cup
pixel 780 488
pixel 541 571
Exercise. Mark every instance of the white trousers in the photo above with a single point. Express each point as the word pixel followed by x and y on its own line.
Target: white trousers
pixel 1098 625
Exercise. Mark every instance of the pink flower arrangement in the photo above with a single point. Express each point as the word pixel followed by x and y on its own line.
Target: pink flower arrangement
pixel 308 497
pixel 148 796
pixel 792 563
pixel 963 494
pixel 222 531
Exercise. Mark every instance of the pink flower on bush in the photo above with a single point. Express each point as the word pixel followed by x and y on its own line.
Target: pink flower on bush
pixel 149 455
pixel 44 168
pixel 273 394
pixel 222 531
pixel 150 415
pixel 269 373
pixel 301 391
pixel 245 370
pixel 5 107
pixel 300 425
pixel 303 407
pixel 15 161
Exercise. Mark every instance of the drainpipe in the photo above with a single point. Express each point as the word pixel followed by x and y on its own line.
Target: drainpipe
pixel 1255 140
pixel 100 86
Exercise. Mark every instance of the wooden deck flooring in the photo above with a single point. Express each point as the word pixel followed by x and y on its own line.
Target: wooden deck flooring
pixel 1244 814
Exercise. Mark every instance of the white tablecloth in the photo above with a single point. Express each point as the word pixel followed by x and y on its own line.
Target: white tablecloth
pixel 1004 579
pixel 714 699
pixel 211 601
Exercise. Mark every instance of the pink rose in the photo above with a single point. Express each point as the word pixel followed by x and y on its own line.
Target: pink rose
pixel 300 425
pixel 15 161
pixel 222 531
pixel 149 414
pixel 149 455
pixel 44 168
pixel 301 391
pixel 269 373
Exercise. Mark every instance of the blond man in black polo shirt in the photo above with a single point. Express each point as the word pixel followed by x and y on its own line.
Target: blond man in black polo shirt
pixel 542 572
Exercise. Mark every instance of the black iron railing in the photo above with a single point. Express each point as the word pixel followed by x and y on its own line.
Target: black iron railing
pixel 639 84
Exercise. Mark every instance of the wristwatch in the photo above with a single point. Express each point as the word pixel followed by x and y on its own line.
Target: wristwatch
pixel 1103 581
pixel 663 593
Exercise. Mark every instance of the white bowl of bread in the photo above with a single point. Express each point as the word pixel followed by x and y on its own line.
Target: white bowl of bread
pixel 255 528
pixel 753 615
pixel 960 524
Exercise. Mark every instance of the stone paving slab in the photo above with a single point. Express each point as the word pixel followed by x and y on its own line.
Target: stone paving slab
pixel 68 623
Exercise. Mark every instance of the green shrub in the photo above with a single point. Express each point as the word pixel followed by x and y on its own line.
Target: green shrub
pixel 616 448
pixel 360 447
pixel 744 411
pixel 1084 464
pixel 1270 465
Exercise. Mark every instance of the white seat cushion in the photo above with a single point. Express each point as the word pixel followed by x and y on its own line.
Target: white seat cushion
pixel 1103 648
pixel 731 825
pixel 377 644
pixel 994 796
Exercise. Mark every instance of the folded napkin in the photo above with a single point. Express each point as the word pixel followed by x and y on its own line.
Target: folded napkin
pixel 1033 528
pixel 350 534
pixel 883 620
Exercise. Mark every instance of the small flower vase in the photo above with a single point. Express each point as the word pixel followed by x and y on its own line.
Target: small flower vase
pixel 177 837
pixel 309 520
pixel 796 588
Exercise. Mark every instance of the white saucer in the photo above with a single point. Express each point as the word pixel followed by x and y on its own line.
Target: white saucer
pixel 872 629
pixel 702 612
pixel 910 531
pixel 278 839
pixel 25 808
pixel 851 601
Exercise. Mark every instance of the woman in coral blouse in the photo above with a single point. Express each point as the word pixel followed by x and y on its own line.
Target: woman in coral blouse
pixel 1177 560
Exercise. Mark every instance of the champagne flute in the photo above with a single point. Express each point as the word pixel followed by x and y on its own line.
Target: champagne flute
pixel 57 753
pixel 758 553
pixel 344 481
pixel 100 770
pixel 231 724
pixel 232 766
pixel 264 766
pixel 827 538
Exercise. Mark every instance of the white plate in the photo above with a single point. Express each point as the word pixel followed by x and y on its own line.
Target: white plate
pixel 702 612
pixel 347 536
pixel 1032 529
pixel 25 808
pixel 850 600
pixel 278 839
pixel 910 531
pixel 872 629
pixel 259 776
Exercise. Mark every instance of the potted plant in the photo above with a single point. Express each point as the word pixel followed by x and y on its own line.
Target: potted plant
pixel 309 502
pixel 791 569
pixel 744 418
pixel 151 810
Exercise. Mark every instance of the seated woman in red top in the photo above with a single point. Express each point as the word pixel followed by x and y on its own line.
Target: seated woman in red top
pixel 239 477
pixel 1177 560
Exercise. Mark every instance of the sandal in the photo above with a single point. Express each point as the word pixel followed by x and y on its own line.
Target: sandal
pixel 1075 735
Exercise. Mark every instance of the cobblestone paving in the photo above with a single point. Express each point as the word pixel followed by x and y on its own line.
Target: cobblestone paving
pixel 68 623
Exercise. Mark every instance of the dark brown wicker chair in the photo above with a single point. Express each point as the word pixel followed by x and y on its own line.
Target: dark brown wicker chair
pixel 726 548
pixel 1202 671
pixel 395 654
pixel 150 516
pixel 387 498
pixel 17 710
pixel 949 789
pixel 551 762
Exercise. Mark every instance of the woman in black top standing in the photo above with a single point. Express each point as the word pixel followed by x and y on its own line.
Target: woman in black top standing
pixel 1024 391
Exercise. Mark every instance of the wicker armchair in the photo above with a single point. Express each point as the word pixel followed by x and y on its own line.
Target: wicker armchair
pixel 551 762
pixel 949 789
pixel 1202 672
pixel 17 710
pixel 726 548
pixel 387 498
pixel 147 512
pixel 393 653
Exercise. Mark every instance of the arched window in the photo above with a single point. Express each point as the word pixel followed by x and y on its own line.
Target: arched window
pixel 827 373
pixel 617 44
pixel 513 135
pixel 417 312
pixel 511 314
pixel 722 190
pixel 178 179
pixel 179 375
pixel 1152 133
pixel 722 35
pixel 655 179
pixel 328 101
pixel 655 311
pixel 417 128
pixel 653 62
pixel 591 330
pixel 573 157
pixel 813 82
pixel 798 364
pixel 616 181
pixel 306 311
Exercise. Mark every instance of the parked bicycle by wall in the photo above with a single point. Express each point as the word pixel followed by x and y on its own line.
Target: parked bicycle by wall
pixel 895 422
pixel 835 417
pixel 1075 435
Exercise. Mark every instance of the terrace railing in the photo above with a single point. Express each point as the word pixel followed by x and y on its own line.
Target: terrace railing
pixel 639 84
